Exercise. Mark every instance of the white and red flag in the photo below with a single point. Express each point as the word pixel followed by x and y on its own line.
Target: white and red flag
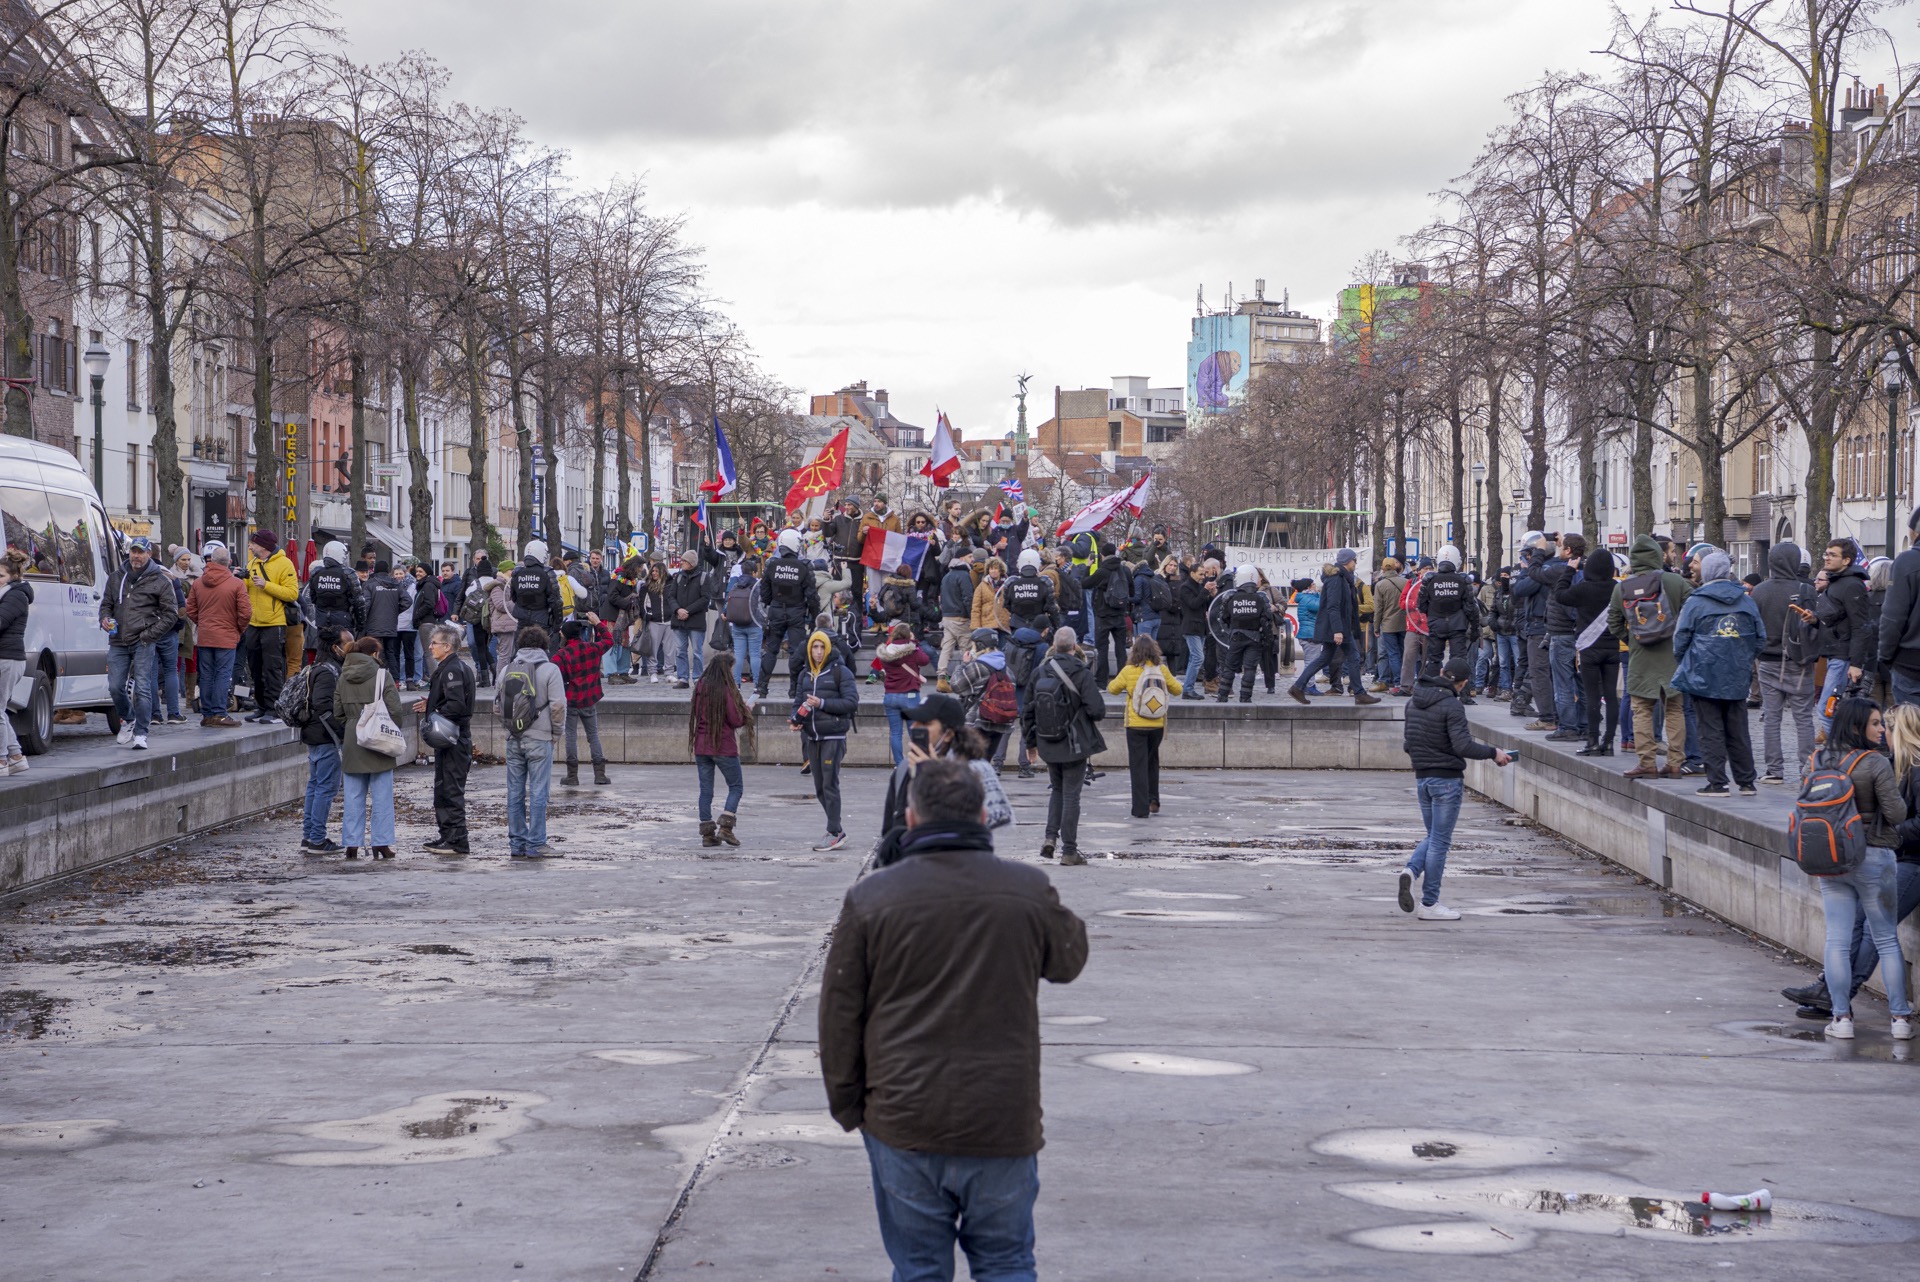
pixel 945 459
pixel 1104 509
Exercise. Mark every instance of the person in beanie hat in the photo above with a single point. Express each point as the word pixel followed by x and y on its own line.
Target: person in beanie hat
pixel 272 586
pixel 1439 744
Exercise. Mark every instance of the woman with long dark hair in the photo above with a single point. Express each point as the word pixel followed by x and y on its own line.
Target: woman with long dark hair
pixel 1600 660
pixel 716 712
pixel 1856 742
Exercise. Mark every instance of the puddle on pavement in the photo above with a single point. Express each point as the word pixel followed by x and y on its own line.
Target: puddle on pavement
pixel 434 1128
pixel 1610 1206
pixel 1425 1147
pixel 436 950
pixel 54 1137
pixel 1180 894
pixel 1073 1021
pixel 1167 1065
pixel 1183 915
pixel 27 1013
pixel 1806 1039
pixel 187 950
pixel 640 1058
pixel 1447 1237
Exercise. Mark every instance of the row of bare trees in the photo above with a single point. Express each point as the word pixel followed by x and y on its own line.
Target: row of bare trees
pixel 1714 240
pixel 256 185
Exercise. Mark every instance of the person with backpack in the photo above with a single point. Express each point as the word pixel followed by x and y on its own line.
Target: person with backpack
pixel 531 701
pixel 533 593
pixel 1643 612
pixel 988 694
pixel 747 633
pixel 790 598
pixel 1788 685
pixel 1150 688
pixel 938 734
pixel 899 659
pixel 825 701
pixel 1903 739
pixel 451 694
pixel 1844 635
pixel 714 714
pixel 1715 640
pixel 1063 706
pixel 307 705
pixel 1586 597
pixel 1845 833
pixel 1110 588
pixel 579 658
pixel 366 773
pixel 1439 743
pixel 1152 599
pixel 470 590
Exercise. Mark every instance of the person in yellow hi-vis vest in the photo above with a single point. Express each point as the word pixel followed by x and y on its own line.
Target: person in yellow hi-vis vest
pixel 272 586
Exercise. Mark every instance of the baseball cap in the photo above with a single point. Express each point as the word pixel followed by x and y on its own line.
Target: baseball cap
pixel 139 543
pixel 944 708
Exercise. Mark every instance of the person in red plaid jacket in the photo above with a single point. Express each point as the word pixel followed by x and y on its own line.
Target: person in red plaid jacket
pixel 579 663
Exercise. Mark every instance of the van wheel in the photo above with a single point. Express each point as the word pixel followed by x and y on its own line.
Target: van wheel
pixel 34 726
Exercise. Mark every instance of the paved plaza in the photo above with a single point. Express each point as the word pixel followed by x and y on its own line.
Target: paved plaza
pixel 226 1061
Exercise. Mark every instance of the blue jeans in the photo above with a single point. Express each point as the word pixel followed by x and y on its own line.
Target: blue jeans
pixel 687 644
pixel 215 667
pixel 1692 718
pixel 896 704
pixel 1484 664
pixel 1866 955
pixel 746 651
pixel 1196 656
pixel 529 777
pixel 1569 709
pixel 1148 628
pixel 1393 652
pixel 139 661
pixel 166 672
pixel 1349 651
pixel 364 790
pixel 729 768
pixel 928 1201
pixel 1439 810
pixel 1868 889
pixel 1508 649
pixel 1835 684
pixel 1905 689
pixel 618 661
pixel 323 785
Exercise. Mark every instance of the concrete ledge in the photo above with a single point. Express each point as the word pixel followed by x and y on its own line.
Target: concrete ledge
pixel 1728 855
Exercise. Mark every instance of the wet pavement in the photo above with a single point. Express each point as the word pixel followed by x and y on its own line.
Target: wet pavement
pixel 213 1061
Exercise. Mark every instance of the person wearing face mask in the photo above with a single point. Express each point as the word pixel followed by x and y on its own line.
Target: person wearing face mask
pixel 826 697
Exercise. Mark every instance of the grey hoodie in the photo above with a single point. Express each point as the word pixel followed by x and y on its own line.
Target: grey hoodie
pixel 1786 581
pixel 546 675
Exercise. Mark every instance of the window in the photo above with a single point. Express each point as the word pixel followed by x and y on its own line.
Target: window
pixel 133 478
pixel 153 485
pixel 94 278
pixel 29 528
pixel 71 528
pixel 132 372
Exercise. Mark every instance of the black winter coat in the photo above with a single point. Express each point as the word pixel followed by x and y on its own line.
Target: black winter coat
pixel 325 676
pixel 1842 609
pixel 1899 616
pixel 1339 608
pixel 451 694
pixel 839 694
pixel 13 621
pixel 1083 739
pixel 1191 596
pixel 1097 589
pixel 1437 739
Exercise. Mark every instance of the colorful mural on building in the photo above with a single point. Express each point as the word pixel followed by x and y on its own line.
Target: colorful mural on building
pixel 1219 361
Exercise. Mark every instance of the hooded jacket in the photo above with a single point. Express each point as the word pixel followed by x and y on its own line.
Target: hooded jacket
pixel 1339 608
pixel 1588 599
pixel 269 604
pixel 1083 738
pixel 220 607
pixel 13 620
pixel 956 590
pixel 1899 644
pixel 1387 611
pixel 1786 584
pixel 1191 595
pixel 1437 739
pixel 833 683
pixel 359 678
pixel 1714 643
pixel 1530 592
pixel 989 611
pixel 970 682
pixel 1843 617
pixel 325 671
pixel 384 601
pixel 1649 667
pixel 143 603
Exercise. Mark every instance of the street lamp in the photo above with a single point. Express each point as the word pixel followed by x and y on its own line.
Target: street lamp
pixel 1693 524
pixel 1479 495
pixel 96 358
pixel 1890 366
pixel 1513 516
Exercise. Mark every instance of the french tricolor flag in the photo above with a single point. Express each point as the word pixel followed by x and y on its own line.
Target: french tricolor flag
pixel 945 460
pixel 886 550
pixel 728 480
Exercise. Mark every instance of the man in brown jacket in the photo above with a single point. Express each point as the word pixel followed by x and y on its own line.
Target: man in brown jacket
pixel 930 1032
pixel 220 609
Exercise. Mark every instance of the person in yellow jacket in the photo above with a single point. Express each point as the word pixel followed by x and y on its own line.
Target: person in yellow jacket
pixel 1144 730
pixel 272 586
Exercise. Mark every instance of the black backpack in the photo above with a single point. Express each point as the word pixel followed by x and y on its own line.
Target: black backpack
pixel 739 607
pixel 896 601
pixel 1119 588
pixel 1055 702
pixel 295 704
pixel 1159 595
pixel 1800 637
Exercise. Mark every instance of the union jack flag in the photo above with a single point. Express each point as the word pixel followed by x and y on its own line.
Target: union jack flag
pixel 1014 491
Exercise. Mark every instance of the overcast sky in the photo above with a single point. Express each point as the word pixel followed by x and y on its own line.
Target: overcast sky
pixel 936 196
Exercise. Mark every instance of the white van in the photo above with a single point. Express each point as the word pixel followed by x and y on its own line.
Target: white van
pixel 51 512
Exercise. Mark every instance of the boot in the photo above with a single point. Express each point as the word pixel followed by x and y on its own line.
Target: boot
pixel 571 779
pixel 1072 859
pixel 600 772
pixel 706 833
pixel 383 852
pixel 727 820
pixel 1363 698
pixel 353 852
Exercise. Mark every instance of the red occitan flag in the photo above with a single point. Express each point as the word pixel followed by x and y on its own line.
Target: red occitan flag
pixel 821 474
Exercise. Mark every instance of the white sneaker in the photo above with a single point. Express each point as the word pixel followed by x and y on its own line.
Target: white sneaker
pixel 140 742
pixel 125 736
pixel 1902 1029
pixel 1841 1028
pixel 654 679
pixel 832 841
pixel 16 765
pixel 1406 890
pixel 1436 912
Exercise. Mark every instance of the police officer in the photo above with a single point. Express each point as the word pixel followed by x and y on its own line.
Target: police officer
pixel 792 599
pixel 1452 608
pixel 1028 598
pixel 1248 615
pixel 339 602
pixel 534 594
